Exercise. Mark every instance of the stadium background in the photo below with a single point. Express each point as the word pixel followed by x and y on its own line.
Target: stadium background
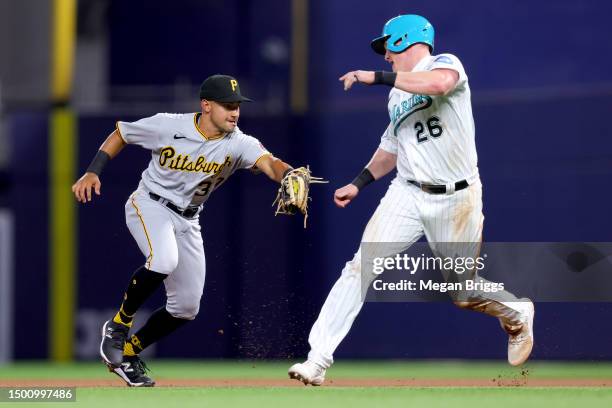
pixel 541 78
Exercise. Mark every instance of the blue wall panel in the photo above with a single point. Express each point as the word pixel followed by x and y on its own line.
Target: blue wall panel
pixel 28 199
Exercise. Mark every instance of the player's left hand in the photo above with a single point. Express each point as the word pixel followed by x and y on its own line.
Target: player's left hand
pixel 364 77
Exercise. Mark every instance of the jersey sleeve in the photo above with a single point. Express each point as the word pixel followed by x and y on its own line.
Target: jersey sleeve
pixel 144 132
pixel 388 141
pixel 449 61
pixel 250 151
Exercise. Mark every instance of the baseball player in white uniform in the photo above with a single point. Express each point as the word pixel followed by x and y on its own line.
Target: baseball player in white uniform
pixel 436 192
pixel 192 154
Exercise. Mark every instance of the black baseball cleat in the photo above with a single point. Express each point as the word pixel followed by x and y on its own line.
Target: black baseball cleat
pixel 114 336
pixel 133 371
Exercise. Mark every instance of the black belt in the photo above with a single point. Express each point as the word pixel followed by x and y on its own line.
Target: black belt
pixel 188 212
pixel 438 189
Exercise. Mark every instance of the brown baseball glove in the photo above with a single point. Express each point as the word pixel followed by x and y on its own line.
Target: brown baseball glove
pixel 293 192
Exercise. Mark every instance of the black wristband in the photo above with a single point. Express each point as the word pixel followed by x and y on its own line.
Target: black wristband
pixel 287 171
pixel 385 78
pixel 99 161
pixel 363 179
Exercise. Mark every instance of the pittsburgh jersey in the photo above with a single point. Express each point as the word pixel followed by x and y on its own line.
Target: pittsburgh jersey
pixel 433 136
pixel 186 166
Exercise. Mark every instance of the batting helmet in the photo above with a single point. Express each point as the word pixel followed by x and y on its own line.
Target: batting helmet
pixel 402 32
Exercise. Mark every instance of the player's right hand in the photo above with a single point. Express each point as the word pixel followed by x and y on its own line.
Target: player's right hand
pixel 82 188
pixel 344 195
pixel 352 77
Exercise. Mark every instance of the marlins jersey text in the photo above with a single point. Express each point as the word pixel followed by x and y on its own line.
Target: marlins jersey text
pixel 433 136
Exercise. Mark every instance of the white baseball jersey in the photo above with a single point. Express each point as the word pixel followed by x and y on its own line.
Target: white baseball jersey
pixel 186 166
pixel 433 136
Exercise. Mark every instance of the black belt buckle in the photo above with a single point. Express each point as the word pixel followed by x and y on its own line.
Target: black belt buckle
pixel 433 189
pixel 188 212
pixel 439 189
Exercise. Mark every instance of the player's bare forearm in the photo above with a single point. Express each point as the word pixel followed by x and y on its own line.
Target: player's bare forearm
pixel 83 187
pixel 382 163
pixel 113 144
pixel 435 82
pixel 272 167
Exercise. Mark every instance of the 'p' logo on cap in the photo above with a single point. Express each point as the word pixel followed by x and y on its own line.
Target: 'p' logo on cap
pixel 221 88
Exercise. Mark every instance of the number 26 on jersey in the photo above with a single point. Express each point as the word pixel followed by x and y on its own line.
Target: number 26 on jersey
pixel 432 128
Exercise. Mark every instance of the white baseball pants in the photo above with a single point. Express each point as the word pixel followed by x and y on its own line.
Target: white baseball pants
pixel 172 245
pixel 403 216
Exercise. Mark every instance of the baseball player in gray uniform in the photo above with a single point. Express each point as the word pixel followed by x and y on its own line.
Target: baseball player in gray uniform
pixel 192 154
pixel 436 192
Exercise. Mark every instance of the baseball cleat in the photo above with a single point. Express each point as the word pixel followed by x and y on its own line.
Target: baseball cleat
pixel 133 371
pixel 520 343
pixel 114 336
pixel 308 373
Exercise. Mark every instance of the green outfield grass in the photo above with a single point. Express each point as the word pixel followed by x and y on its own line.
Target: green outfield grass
pixel 345 397
pixel 329 396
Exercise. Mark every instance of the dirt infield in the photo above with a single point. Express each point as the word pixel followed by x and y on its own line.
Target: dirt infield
pixel 403 382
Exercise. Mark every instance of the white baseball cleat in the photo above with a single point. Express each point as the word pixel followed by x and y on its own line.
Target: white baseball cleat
pixel 308 372
pixel 520 343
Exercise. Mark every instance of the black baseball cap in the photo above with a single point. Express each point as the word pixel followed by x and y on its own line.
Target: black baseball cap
pixel 221 88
